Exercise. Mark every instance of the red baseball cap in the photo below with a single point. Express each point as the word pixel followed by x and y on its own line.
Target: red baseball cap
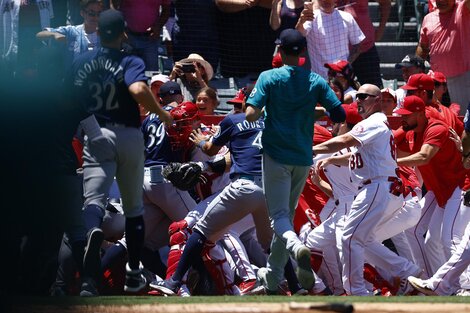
pixel 337 66
pixel 411 104
pixel 419 81
pixel 238 99
pixel 352 115
pixel 438 76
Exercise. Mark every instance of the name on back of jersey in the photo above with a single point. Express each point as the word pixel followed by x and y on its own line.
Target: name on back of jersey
pixel 245 125
pixel 101 63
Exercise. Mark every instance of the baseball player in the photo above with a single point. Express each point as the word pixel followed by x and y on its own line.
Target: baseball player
pixel 109 84
pixel 242 197
pixel 289 95
pixel 433 152
pixel 373 168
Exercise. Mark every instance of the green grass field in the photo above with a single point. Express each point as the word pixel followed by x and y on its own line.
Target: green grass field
pixel 136 300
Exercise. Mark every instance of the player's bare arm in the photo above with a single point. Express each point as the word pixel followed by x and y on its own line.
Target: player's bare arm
pixel 335 144
pixel 252 113
pixel 144 96
pixel 339 160
pixel 320 183
pixel 422 157
pixel 202 141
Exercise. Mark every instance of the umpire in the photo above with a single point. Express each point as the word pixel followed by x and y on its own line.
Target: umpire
pixel 289 96
pixel 110 84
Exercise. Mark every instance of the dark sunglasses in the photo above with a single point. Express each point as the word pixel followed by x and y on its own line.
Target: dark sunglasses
pixel 92 13
pixel 363 96
pixel 437 84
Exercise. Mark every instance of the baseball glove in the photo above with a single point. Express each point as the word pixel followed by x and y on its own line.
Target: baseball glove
pixel 183 176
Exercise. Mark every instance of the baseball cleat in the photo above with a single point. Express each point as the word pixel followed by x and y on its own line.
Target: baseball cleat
pixel 135 281
pixel 168 287
pixel 88 288
pixel 421 286
pixel 304 269
pixel 250 287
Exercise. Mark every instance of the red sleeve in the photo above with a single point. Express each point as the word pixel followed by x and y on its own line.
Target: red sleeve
pixel 436 134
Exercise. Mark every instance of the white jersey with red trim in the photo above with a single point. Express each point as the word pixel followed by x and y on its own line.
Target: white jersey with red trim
pixel 339 178
pixel 376 155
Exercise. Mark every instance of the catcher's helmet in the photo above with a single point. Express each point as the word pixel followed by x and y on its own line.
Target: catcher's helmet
pixel 185 119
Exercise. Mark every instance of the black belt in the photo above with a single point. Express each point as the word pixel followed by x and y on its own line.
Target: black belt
pixel 139 34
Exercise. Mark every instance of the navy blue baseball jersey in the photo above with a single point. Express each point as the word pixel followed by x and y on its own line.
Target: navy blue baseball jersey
pixel 100 81
pixel 244 142
pixel 466 120
pixel 157 143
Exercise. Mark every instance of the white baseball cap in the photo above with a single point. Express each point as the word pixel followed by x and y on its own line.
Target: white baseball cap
pixel 159 78
pixel 390 92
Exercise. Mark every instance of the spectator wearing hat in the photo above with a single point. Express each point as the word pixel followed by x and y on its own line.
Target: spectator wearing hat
pixel 441 92
pixel 156 82
pixel 389 101
pixel 192 74
pixel 343 72
pixel 422 85
pixel 331 35
pixel 433 152
pixel 145 20
pixel 411 64
pixel 444 39
pixel 289 94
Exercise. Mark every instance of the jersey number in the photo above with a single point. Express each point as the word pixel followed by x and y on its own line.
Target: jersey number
pixel 356 161
pixel 104 95
pixel 156 135
pixel 257 141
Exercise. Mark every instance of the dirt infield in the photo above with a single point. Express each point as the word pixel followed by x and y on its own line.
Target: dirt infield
pixel 250 308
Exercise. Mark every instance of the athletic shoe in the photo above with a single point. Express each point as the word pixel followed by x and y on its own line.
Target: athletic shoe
pixel 168 287
pixel 250 287
pixel 405 288
pixel 263 278
pixel 421 286
pixel 304 269
pixel 88 288
pixel 135 280
pixel 92 256
pixel 301 292
pixel 58 290
pixel 184 291
pixel 463 293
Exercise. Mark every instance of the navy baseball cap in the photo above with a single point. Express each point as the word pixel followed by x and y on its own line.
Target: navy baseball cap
pixel 169 88
pixel 291 41
pixel 111 24
pixel 411 60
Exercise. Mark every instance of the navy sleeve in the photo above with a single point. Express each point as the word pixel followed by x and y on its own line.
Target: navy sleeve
pixel 135 70
pixel 223 135
pixel 337 114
